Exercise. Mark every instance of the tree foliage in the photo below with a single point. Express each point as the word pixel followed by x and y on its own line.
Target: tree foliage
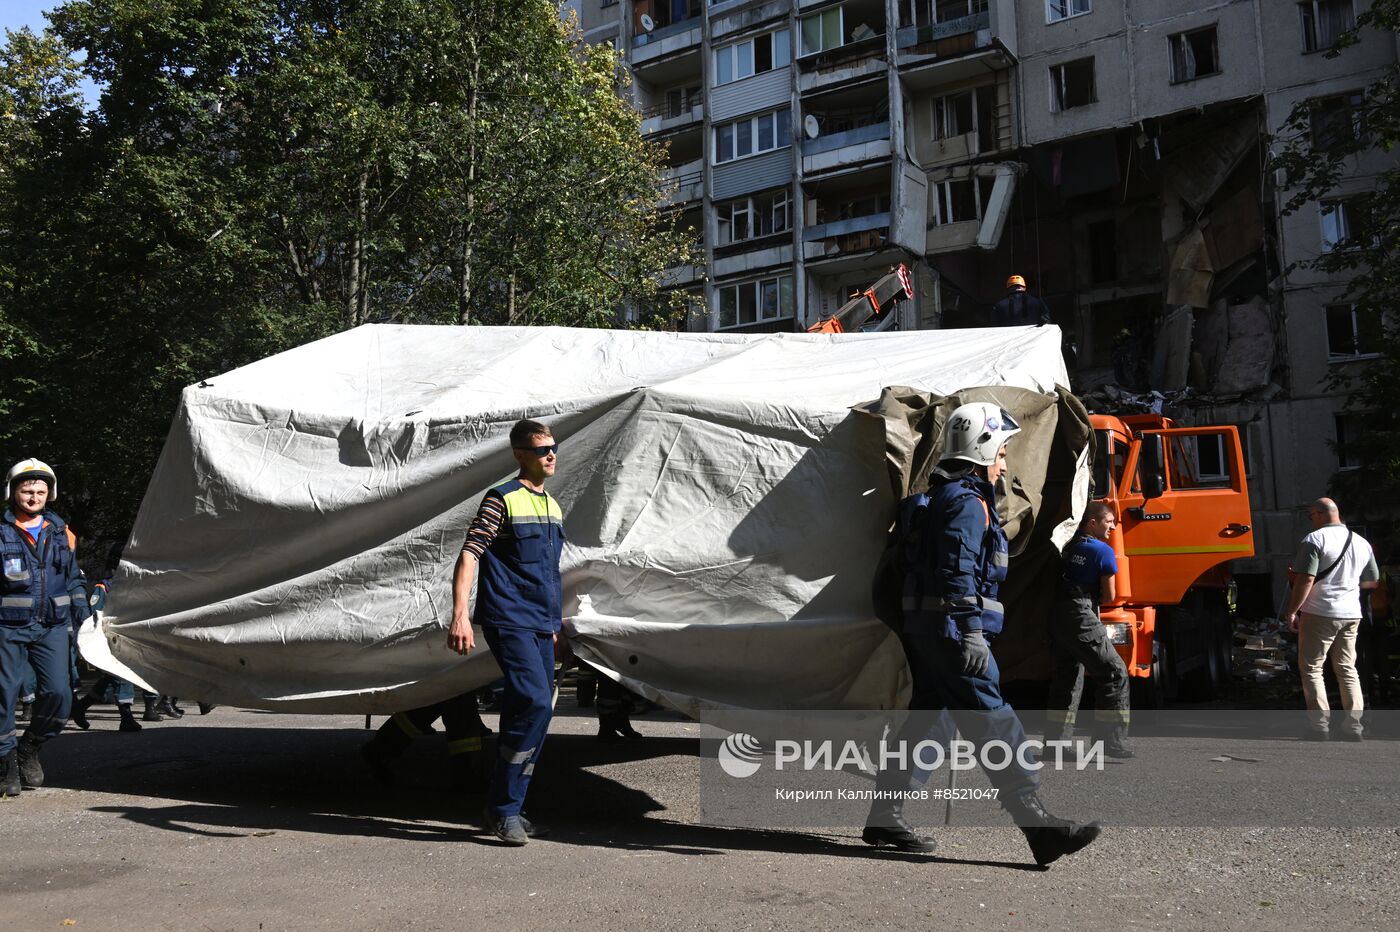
pixel 1325 142
pixel 258 173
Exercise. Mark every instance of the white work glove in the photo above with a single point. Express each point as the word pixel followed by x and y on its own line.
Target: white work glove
pixel 976 653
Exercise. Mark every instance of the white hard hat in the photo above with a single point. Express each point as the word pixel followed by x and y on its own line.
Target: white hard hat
pixel 975 432
pixel 32 469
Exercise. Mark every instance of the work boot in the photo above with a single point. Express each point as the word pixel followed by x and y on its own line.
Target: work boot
pixel 152 710
pixel 9 774
pixel 206 707
pixel 31 773
pixel 129 722
pixel 533 829
pixel 167 707
pixel 509 829
pixel 886 825
pixel 1050 838
pixel 1115 743
pixel 80 707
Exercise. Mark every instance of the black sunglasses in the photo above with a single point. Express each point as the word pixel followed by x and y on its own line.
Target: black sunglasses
pixel 541 452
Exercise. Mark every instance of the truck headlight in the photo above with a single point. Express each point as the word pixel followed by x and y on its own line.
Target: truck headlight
pixel 1120 634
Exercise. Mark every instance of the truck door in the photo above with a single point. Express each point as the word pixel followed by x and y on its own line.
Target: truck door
pixel 1200 520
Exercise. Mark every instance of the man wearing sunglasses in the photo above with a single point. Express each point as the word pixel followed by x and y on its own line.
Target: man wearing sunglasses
pixel 512 551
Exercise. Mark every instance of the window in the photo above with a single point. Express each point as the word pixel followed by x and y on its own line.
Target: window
pixel 752 56
pixel 1210 458
pixel 1072 85
pixel 1336 120
pixel 948 10
pixel 1194 55
pixel 953 115
pixel 1348 427
pixel 1324 22
pixel 1342 222
pixel 1056 10
pixel 752 135
pixel 1351 334
pixel 752 217
pixel 755 301
pixel 954 201
pixel 679 100
pixel 821 32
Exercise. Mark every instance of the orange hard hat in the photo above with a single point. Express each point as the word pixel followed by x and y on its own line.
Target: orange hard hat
pixel 1014 281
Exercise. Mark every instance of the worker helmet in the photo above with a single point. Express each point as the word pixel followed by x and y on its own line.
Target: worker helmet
pixel 976 431
pixel 1016 281
pixel 32 469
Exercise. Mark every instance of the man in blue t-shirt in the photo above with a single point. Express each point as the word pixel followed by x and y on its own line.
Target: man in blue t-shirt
pixel 1079 640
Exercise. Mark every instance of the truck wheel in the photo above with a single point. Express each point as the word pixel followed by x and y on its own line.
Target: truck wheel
pixel 1148 692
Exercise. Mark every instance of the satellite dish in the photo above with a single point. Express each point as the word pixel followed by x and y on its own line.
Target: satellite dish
pixel 648 23
pixel 811 127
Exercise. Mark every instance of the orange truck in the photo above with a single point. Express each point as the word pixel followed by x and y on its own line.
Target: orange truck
pixel 1182 505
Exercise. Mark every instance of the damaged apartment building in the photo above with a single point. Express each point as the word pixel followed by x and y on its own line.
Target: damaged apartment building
pixel 1112 153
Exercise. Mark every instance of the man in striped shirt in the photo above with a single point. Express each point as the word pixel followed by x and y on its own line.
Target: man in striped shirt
pixel 512 553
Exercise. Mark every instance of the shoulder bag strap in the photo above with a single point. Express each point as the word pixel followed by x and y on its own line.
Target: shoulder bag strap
pixel 1345 547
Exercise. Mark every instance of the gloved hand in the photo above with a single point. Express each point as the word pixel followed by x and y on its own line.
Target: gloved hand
pixel 976 653
pixel 98 599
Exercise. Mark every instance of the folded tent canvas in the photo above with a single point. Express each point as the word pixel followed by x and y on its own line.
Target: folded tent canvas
pixel 727 499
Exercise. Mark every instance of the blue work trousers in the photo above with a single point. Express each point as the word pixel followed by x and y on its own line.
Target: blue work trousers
pixel 945 697
pixel 527 704
pixel 46 648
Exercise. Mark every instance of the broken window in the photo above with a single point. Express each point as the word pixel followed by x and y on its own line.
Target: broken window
pixel 1336 120
pixel 1324 22
pixel 1056 10
pixel 1072 85
pixel 955 201
pixel 953 115
pixel 1351 333
pixel 755 301
pixel 821 32
pixel 1194 54
pixel 1348 428
pixel 752 56
pixel 1103 251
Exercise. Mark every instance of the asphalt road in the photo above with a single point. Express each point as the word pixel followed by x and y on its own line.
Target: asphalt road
pixel 247 820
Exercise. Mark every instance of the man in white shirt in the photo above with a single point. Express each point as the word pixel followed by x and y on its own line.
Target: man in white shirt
pixel 1332 567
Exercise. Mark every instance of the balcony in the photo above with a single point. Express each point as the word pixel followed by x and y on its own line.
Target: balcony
pixel 667 118
pixel 683 184
pixel 665 41
pixel 954 50
pixel 852 148
pixel 842 237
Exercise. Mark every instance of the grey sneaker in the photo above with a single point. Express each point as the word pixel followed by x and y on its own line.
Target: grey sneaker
pixel 508 829
pixel 531 829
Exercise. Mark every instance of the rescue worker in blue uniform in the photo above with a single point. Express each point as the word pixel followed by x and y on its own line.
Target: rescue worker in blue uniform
pixel 512 549
pixel 955 559
pixel 1079 641
pixel 42 600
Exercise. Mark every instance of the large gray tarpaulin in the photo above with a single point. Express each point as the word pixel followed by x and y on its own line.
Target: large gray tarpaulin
pixel 726 508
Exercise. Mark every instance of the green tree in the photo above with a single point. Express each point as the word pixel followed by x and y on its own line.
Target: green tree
pixel 1321 141
pixel 258 173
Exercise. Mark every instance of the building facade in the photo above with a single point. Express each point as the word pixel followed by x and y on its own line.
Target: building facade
pixel 1112 153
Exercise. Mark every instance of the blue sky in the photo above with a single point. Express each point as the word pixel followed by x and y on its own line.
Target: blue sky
pixel 17 13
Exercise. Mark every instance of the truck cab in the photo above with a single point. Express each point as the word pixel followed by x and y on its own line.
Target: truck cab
pixel 1182 505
